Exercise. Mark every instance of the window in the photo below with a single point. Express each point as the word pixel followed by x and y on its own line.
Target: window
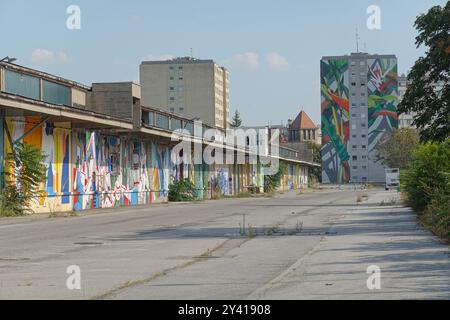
pixel 353 147
pixel 172 98
pixel 364 146
pixel 172 88
pixel 171 68
pixel 172 110
pixel 180 68
pixel 21 84
pixel 172 78
pixel 363 136
pixel 353 84
pixel 355 158
pixel 355 167
pixel 363 94
pixel 162 121
pixel 56 93
pixel 180 78
pixel 175 124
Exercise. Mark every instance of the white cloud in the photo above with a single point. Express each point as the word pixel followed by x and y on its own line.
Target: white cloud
pixel 249 60
pixel 277 62
pixel 41 57
pixel 162 57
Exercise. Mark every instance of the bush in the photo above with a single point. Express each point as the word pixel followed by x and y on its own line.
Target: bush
pixel 427 186
pixel 22 184
pixel 436 215
pixel 272 182
pixel 183 190
pixel 428 174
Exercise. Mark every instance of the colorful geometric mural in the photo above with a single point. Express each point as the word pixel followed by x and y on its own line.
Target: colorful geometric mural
pixel 87 169
pixel 109 171
pixel 335 120
pixel 383 98
pixel 159 180
pixel 56 145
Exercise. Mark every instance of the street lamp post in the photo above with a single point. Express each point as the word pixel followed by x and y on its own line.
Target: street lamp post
pixel 8 59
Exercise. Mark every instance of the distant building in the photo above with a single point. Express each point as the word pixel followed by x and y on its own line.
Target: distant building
pixel 118 99
pixel 302 128
pixel 189 87
pixel 359 98
pixel 405 120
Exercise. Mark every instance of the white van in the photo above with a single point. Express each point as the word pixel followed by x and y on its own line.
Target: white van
pixel 392 179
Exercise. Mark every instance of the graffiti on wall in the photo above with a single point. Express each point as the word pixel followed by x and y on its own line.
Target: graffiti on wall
pixel 55 144
pixel 335 120
pixel 383 98
pixel 109 171
pixel 159 172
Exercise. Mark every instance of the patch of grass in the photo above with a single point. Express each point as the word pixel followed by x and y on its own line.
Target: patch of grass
pixel 436 216
pixel 251 233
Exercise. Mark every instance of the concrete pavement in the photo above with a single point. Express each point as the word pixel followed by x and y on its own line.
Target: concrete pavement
pixel 316 245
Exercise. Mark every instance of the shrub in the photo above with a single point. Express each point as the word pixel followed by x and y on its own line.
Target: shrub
pixel 272 182
pixel 183 190
pixel 28 172
pixel 427 186
pixel 427 175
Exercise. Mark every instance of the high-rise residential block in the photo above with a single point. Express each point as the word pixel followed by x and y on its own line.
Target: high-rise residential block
pixel 359 98
pixel 189 87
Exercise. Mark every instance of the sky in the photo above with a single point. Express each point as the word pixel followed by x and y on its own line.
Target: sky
pixel 271 48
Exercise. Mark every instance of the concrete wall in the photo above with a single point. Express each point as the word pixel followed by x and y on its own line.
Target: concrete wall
pixel 114 99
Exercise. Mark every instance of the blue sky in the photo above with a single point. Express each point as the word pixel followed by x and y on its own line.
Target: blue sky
pixel 272 48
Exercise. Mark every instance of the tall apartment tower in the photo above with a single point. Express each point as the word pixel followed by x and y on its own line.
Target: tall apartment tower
pixel 405 120
pixel 189 87
pixel 359 98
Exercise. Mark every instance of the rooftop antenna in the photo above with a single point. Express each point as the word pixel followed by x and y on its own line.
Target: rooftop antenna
pixel 357 40
pixel 192 56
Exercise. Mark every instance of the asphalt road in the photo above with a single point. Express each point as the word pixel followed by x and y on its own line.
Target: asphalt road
pixel 316 245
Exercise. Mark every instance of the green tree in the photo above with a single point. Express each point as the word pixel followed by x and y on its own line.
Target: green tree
pixel 22 184
pixel 317 158
pixel 396 150
pixel 428 95
pixel 237 121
